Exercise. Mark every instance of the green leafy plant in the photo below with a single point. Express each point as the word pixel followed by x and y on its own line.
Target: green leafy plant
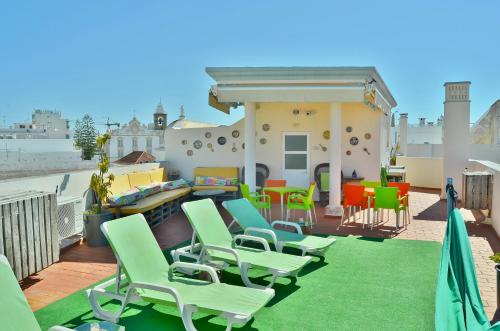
pixel 495 258
pixel 85 137
pixel 100 182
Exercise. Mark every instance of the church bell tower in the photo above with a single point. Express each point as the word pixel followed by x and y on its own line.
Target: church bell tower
pixel 160 118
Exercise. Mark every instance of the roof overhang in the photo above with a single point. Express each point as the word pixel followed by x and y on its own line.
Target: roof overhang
pixel 298 84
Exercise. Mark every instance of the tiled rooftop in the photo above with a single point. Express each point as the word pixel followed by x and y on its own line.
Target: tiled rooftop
pixel 81 266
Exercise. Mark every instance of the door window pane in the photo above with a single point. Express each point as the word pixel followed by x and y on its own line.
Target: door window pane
pixel 295 143
pixel 295 161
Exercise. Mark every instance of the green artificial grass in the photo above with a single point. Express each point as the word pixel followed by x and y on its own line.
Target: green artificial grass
pixel 363 284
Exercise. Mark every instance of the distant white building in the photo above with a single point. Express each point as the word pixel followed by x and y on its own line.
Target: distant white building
pixel 422 132
pixel 45 124
pixel 487 129
pixel 136 136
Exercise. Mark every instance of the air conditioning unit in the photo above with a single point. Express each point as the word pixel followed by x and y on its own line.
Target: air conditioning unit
pixel 69 220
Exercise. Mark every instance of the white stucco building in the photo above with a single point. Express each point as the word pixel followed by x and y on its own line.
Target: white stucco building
pixel 135 136
pixel 45 124
pixel 294 119
pixel 487 129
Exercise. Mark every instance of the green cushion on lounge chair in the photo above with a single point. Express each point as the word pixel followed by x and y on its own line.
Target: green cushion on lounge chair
pixel 248 217
pixel 212 231
pixel 15 312
pixel 144 262
pixel 324 181
pixel 13 305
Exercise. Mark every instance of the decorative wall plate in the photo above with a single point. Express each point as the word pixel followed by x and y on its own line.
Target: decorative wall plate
pixel 197 144
pixel 348 129
pixel 354 141
pixel 189 152
pixel 221 140
pixel 368 136
pixel 235 133
pixel 266 127
pixel 263 141
pixel 184 142
pixel 348 152
pixel 208 135
pixel 326 134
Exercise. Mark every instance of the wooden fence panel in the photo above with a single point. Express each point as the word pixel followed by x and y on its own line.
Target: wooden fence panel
pixel 30 239
pixel 55 231
pixel 7 231
pixel 36 234
pixel 28 231
pixel 16 244
pixel 48 228
pixel 43 239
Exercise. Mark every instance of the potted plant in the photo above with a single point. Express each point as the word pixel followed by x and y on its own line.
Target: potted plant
pixel 496 258
pixel 99 186
pixel 393 155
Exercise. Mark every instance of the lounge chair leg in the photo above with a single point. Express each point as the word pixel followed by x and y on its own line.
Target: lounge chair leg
pixel 187 317
pixel 244 277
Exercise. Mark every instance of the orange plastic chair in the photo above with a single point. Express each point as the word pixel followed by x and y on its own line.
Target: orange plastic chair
pixel 404 191
pixel 275 197
pixel 354 196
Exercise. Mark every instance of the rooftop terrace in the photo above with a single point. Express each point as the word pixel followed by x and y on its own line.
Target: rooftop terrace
pixel 82 266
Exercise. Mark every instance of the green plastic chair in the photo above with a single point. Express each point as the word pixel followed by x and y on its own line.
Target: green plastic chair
pixel 16 314
pixel 370 184
pixel 217 244
pixel 387 198
pixel 150 278
pixel 297 201
pixel 260 201
pixel 254 224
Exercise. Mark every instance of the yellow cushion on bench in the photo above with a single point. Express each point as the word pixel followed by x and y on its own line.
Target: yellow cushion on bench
pixel 156 175
pixel 153 201
pixel 139 178
pixel 119 185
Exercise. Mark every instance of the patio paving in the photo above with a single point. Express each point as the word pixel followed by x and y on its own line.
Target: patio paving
pixel 82 266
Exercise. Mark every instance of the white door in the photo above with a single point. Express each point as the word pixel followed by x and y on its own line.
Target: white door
pixel 296 159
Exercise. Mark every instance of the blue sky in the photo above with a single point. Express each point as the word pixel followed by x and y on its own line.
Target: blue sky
pixel 109 58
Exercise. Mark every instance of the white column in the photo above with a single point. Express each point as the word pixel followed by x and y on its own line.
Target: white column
pixel 403 134
pixel 334 208
pixel 456 133
pixel 250 145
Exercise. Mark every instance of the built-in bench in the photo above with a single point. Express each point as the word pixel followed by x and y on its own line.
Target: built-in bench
pixel 156 208
pixel 232 191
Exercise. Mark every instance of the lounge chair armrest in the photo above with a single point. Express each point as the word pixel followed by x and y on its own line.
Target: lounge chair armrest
pixel 195 266
pixel 270 233
pixel 220 249
pixel 59 328
pixel 294 225
pixel 156 287
pixel 252 238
